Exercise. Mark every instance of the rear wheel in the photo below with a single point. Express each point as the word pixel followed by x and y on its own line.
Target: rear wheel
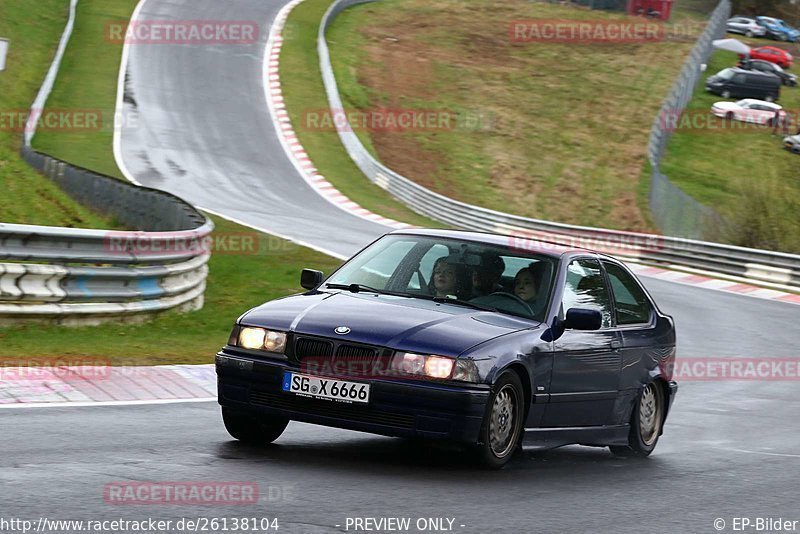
pixel 646 421
pixel 769 98
pixel 502 425
pixel 253 430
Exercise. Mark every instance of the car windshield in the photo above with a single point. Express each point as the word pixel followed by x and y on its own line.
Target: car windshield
pixel 507 279
pixel 726 74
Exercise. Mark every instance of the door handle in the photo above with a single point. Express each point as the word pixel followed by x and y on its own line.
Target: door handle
pixel 616 344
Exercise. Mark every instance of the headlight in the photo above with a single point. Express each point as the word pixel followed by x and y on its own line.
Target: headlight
pixel 262 339
pixel 432 366
pixel 466 371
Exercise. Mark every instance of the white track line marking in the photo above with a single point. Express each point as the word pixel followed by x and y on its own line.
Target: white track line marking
pixel 119 122
pixel 103 403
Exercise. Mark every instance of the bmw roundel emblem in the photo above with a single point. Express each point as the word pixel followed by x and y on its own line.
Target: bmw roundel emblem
pixel 342 330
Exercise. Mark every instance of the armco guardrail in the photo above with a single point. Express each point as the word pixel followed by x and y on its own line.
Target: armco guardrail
pixel 80 275
pixel 757 265
pixel 674 211
pixel 84 276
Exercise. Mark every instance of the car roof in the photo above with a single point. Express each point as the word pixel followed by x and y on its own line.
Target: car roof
pixel 753 72
pixel 757 101
pixel 527 241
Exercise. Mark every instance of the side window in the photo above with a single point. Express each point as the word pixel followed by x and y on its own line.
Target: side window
pixel 740 78
pixel 632 304
pixel 586 288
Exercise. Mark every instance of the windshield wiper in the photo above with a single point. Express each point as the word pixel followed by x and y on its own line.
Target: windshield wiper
pixel 357 288
pixel 459 302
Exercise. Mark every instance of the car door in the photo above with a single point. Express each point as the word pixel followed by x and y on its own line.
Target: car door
pixel 642 338
pixel 586 364
pixel 745 112
pixel 738 85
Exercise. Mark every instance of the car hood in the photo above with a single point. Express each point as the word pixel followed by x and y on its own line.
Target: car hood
pixel 414 325
pixel 727 106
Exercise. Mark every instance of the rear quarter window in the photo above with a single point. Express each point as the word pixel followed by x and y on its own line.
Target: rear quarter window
pixel 632 304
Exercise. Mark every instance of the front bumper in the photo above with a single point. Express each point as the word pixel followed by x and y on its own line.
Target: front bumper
pixel 396 408
pixel 673 390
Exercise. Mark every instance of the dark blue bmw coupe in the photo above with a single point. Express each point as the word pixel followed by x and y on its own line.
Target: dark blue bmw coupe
pixel 492 341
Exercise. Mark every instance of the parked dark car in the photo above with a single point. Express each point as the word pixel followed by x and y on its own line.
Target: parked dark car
pixel 787 78
pixel 489 341
pixel 735 82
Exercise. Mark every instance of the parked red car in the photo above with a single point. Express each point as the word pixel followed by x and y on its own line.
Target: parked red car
pixel 772 54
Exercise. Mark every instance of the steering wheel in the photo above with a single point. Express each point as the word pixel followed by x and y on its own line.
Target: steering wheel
pixel 513 297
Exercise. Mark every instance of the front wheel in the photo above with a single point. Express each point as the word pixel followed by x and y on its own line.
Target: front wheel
pixel 646 421
pixel 254 430
pixel 502 427
pixel 749 33
pixel 726 94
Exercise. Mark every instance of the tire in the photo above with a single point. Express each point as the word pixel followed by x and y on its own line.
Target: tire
pixel 646 422
pixel 749 34
pixel 501 432
pixel 769 98
pixel 729 116
pixel 726 94
pixel 253 430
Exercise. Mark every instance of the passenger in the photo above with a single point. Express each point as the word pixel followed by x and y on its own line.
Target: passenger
pixel 528 284
pixel 525 285
pixel 486 277
pixel 445 279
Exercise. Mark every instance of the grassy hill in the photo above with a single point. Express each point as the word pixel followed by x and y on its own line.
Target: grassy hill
pixel 544 129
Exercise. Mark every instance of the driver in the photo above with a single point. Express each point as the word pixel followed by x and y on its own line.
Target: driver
pixel 530 285
pixel 486 276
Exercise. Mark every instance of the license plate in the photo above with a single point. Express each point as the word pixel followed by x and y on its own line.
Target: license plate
pixel 325 388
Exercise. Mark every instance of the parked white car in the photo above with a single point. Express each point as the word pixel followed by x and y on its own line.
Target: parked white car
pixel 746 26
pixel 792 143
pixel 748 110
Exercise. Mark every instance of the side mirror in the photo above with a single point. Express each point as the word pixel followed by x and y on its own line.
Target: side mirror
pixel 583 319
pixel 310 279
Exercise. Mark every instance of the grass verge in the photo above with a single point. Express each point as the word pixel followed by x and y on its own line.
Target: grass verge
pixel 79 88
pixel 547 130
pixel 34 29
pixel 304 94
pixel 739 170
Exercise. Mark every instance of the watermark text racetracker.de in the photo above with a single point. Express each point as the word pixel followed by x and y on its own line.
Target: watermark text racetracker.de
pixel 149 525
pixel 709 369
pixel 597 31
pixel 143 244
pixel 382 120
pixel 193 32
